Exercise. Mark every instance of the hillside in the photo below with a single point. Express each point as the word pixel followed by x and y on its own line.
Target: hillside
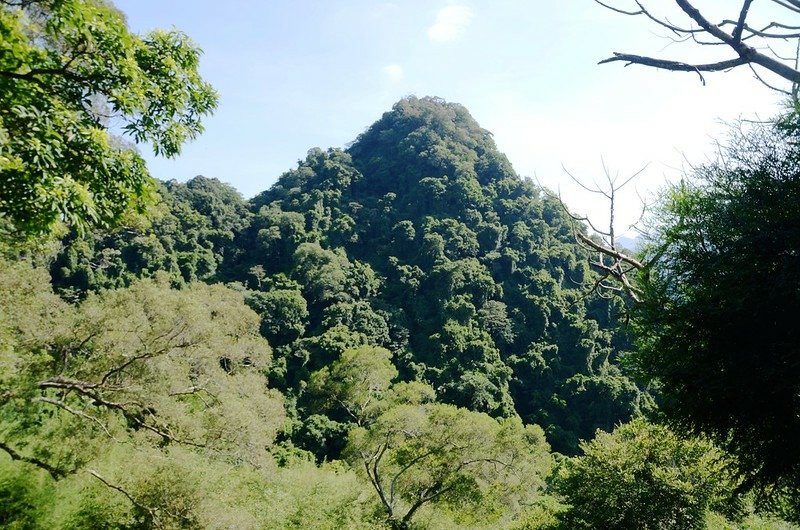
pixel 397 335
pixel 403 333
pixel 419 238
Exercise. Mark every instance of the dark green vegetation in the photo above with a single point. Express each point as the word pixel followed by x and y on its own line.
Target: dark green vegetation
pixel 718 326
pixel 419 239
pixel 387 325
pixel 392 336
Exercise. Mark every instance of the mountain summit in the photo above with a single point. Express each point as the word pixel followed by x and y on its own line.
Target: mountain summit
pixel 419 239
pixel 427 137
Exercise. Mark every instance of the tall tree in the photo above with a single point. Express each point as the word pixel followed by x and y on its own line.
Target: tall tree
pixel 416 455
pixel 67 68
pixel 717 322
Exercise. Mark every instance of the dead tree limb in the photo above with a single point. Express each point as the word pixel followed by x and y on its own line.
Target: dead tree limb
pixel 612 263
pixel 749 44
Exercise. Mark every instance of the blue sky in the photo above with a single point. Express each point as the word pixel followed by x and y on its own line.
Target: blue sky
pixel 299 74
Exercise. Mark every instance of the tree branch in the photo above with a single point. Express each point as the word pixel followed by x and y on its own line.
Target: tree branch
pixel 737 31
pixel 130 497
pixel 793 5
pixel 736 41
pixel 675 66
pixel 53 471
pixel 609 251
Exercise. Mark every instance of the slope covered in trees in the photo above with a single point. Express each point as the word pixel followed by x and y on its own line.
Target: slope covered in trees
pixel 418 340
pixel 395 335
pixel 419 238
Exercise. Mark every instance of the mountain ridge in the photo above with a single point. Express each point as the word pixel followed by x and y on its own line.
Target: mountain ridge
pixel 420 238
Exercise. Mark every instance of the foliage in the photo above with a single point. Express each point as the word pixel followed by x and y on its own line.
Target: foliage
pixel 283 314
pixel 397 281
pixel 23 496
pixel 643 476
pixel 466 273
pixel 421 239
pixel 416 455
pixel 186 235
pixel 717 327
pixel 147 365
pixel 354 384
pixel 67 68
pixel 149 405
pixel 178 488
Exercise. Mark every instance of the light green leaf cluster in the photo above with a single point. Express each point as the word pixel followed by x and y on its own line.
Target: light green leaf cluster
pixel 146 365
pixel 644 476
pixel 464 461
pixel 66 69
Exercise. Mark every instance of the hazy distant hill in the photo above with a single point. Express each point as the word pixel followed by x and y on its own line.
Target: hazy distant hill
pixel 629 242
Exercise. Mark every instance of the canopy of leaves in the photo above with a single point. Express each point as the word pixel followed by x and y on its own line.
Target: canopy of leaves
pixel 67 69
pixel 419 454
pixel 643 476
pixel 718 325
pixel 145 364
pixel 465 272
pixel 421 239
pixel 186 235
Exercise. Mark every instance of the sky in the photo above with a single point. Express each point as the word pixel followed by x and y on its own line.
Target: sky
pixel 293 75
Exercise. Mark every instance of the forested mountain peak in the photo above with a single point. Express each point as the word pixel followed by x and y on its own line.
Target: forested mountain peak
pixel 400 334
pixel 418 239
pixel 421 239
pixel 427 137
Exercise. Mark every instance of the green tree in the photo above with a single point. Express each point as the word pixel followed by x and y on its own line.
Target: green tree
pixel 187 234
pixel 66 68
pixel 642 476
pixel 416 455
pixel 147 365
pixel 283 313
pixel 354 384
pixel 716 325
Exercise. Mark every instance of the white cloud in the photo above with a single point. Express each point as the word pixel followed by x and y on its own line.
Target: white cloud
pixel 451 21
pixel 394 72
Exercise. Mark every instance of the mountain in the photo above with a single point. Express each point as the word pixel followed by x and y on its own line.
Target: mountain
pixel 419 238
pixel 631 243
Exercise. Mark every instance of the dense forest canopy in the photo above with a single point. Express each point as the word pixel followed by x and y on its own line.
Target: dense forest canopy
pixel 420 239
pixel 394 335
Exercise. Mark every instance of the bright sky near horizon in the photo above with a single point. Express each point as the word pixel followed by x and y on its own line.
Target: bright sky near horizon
pixel 293 75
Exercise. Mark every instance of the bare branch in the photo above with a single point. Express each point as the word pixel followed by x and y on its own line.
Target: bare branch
pixel 793 5
pixel 737 41
pixel 609 252
pixel 737 31
pixel 130 497
pixel 764 32
pixel 612 264
pixel 581 184
pixel 53 471
pixel 618 10
pixel 675 66
pixel 761 79
pixel 76 412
